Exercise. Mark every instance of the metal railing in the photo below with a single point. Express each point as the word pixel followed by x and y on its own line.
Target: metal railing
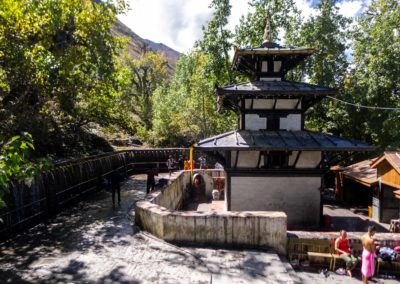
pixel 68 181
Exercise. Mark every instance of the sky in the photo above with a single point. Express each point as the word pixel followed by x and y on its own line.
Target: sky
pixel 178 23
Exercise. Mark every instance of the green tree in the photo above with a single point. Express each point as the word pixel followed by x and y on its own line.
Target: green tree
pixel 250 31
pixel 216 42
pixel 16 164
pixel 57 68
pixel 374 77
pixel 144 76
pixel 327 31
pixel 186 111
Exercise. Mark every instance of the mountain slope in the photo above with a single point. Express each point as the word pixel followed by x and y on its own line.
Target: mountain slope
pixel 137 45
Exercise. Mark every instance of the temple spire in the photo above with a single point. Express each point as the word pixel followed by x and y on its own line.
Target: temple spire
pixel 267 29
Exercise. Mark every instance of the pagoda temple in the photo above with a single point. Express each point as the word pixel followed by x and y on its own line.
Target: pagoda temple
pixel 272 163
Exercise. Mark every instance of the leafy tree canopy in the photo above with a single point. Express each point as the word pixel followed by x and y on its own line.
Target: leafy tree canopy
pixel 57 68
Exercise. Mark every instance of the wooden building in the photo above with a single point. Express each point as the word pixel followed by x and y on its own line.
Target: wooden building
pixel 385 201
pixel 355 183
pixel 272 163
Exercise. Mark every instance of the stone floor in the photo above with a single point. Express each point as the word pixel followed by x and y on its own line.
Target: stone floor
pixel 93 243
pixel 352 219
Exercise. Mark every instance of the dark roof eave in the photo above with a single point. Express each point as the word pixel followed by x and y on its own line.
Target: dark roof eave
pixel 262 148
pixel 222 92
pixel 264 51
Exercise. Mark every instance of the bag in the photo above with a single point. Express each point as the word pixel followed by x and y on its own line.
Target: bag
pixel 387 254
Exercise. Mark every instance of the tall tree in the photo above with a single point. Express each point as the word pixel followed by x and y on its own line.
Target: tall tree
pixel 327 31
pixel 216 42
pixel 249 32
pixel 374 77
pixel 57 68
pixel 186 111
pixel 145 75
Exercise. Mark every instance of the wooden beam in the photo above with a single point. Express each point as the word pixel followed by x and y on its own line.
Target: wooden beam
pixel 297 158
pixel 276 99
pixel 236 158
pixel 298 102
pixel 259 159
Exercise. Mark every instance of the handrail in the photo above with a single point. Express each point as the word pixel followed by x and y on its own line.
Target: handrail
pixel 66 176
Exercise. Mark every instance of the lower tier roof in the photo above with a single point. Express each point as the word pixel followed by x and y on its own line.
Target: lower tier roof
pixel 280 141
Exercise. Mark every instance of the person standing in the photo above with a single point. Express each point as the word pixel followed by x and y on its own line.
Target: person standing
pixel 180 162
pixel 186 165
pixel 115 179
pixel 342 248
pixel 151 180
pixel 203 162
pixel 170 164
pixel 368 254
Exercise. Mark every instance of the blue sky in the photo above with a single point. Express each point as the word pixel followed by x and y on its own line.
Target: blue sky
pixel 177 23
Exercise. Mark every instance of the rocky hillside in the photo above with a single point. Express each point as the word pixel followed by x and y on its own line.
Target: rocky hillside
pixel 137 45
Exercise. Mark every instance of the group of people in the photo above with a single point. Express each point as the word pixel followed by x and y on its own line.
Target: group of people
pixel 184 164
pixel 370 249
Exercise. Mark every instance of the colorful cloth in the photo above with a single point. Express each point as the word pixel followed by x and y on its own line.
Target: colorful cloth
pixel 368 263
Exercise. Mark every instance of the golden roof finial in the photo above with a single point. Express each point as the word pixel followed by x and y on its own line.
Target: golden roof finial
pixel 267 29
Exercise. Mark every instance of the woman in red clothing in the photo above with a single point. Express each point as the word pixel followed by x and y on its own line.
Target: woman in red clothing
pixel 343 250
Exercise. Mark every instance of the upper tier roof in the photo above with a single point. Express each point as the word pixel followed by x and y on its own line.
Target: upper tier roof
pixel 228 95
pixel 245 60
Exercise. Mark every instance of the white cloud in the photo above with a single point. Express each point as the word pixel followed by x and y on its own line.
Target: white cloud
pixel 175 23
pixel 305 8
pixel 350 8
pixel 239 8
pixel 178 23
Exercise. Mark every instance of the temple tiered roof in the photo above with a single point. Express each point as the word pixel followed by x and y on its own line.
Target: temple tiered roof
pixel 281 141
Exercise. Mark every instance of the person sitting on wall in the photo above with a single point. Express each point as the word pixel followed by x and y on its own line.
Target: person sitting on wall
pixel 343 250
pixel 218 166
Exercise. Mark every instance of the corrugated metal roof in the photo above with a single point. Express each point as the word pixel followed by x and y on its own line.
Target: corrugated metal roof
pixel 276 87
pixel 245 59
pixel 362 172
pixel 281 140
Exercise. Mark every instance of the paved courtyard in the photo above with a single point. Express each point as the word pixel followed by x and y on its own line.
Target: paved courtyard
pixel 93 243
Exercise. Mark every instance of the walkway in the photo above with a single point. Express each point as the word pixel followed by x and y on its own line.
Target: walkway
pixel 92 243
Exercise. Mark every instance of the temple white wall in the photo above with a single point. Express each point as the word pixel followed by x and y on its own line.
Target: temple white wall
pixel 249 159
pixel 286 104
pixel 269 104
pixel 255 122
pixel 291 122
pixel 298 197
pixel 308 159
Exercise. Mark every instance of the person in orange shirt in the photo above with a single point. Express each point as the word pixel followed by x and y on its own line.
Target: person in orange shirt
pixel 186 165
pixel 343 250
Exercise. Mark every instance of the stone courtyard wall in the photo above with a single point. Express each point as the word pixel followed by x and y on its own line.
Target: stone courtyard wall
pixel 158 215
